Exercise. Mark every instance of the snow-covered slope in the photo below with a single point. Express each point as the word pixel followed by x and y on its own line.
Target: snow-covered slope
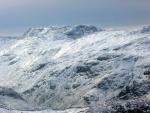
pixel 6 42
pixel 77 67
pixel 73 110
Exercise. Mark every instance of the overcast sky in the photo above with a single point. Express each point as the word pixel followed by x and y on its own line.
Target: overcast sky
pixel 18 15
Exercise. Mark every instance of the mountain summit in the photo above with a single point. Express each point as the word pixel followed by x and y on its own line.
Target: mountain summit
pixel 72 32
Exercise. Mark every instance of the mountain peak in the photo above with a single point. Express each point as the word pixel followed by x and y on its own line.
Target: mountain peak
pixel 73 32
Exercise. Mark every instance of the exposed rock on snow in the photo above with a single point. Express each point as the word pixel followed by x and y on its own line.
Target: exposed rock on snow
pixel 76 67
pixel 145 29
pixel 80 30
pixel 71 32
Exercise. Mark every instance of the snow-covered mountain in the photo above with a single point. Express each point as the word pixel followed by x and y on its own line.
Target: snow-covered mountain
pixel 80 67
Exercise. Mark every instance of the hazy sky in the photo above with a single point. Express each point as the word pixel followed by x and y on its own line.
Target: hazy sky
pixel 17 15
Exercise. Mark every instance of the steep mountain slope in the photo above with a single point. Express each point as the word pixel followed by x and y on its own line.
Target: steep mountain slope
pixel 77 67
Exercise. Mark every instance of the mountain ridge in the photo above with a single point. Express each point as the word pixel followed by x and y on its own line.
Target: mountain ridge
pixel 104 70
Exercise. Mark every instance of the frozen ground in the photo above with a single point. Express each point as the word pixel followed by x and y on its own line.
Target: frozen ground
pixel 76 67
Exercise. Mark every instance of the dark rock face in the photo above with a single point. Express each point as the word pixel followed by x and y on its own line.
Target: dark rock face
pixel 10 93
pixel 84 68
pixel 145 29
pixel 75 85
pixel 90 98
pixel 134 106
pixel 147 70
pixel 106 57
pixel 40 66
pixel 136 90
pixel 81 30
